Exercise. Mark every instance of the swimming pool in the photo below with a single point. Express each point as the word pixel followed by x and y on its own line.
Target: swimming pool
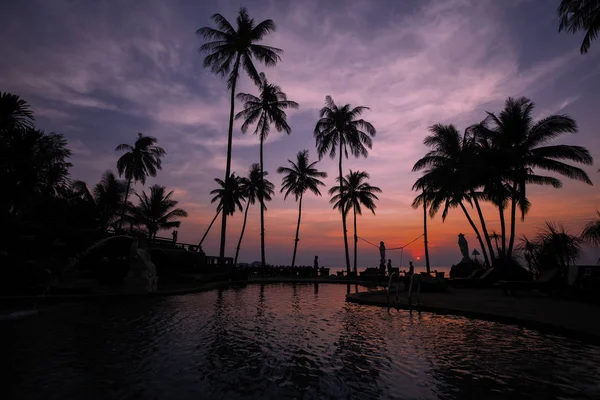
pixel 283 341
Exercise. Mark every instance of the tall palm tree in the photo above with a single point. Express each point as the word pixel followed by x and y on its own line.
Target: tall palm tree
pixel 356 193
pixel 300 177
pixel 591 232
pixel 228 49
pixel 269 108
pixel 253 187
pixel 421 201
pixel 518 143
pixel 340 131
pixel 157 211
pixel 580 15
pixel 229 195
pixel 15 112
pixel 142 159
pixel 448 179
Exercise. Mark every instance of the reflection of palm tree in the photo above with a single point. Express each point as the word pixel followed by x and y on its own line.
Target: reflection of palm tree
pixel 518 141
pixel 269 108
pixel 157 211
pixel 252 188
pixel 357 193
pixel 231 49
pixel 140 160
pixel 580 15
pixel 339 130
pixel 302 176
pixel 228 197
pixel 591 232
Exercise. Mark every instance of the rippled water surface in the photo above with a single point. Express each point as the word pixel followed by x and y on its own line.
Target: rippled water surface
pixel 283 341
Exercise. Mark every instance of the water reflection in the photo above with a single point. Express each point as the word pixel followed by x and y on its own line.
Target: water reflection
pixel 284 341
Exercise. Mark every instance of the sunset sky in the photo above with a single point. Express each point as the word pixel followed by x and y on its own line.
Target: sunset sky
pixel 101 71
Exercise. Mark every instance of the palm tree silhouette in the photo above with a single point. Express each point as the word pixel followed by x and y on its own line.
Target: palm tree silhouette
pixel 356 193
pixel 591 232
pixel 229 196
pixel 269 108
pixel 15 112
pixel 228 50
pixel 157 211
pixel 299 178
pixel 448 177
pixel 106 200
pixel 253 187
pixel 421 201
pixel 580 15
pixel 517 143
pixel 139 161
pixel 339 130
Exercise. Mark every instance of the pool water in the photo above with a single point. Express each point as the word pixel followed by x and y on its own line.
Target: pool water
pixel 282 341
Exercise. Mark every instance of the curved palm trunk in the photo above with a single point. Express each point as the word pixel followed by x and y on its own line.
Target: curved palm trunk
pixel 355 240
pixel 483 250
pixel 513 214
pixel 236 68
pixel 297 231
pixel 125 204
pixel 262 207
pixel 344 214
pixel 237 250
pixel 483 227
pixel 425 237
pixel 503 229
pixel 210 226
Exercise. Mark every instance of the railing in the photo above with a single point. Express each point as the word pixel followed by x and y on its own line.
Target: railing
pixel 410 288
pixel 388 288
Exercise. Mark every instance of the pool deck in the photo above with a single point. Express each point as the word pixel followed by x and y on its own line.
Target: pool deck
pixel 532 310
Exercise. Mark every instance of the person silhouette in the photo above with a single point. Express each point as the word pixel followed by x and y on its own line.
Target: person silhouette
pixel 389 267
pixel 411 269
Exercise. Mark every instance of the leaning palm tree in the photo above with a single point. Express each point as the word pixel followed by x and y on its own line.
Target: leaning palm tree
pixel 580 15
pixel 300 177
pixel 591 232
pixel 15 112
pixel 229 195
pixel 448 177
pixel 253 187
pixel 142 159
pixel 356 194
pixel 269 108
pixel 228 49
pixel 340 131
pixel 518 143
pixel 157 211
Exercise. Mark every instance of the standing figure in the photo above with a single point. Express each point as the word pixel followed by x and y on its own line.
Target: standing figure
pixel 316 265
pixel 389 267
pixel 174 238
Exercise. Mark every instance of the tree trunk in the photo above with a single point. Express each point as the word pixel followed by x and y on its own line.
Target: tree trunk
pixel 513 213
pixel 484 228
pixel 237 250
pixel 425 236
pixel 236 68
pixel 297 231
pixel 344 214
pixel 503 229
pixel 210 226
pixel 355 241
pixel 262 206
pixel 125 204
pixel 483 250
